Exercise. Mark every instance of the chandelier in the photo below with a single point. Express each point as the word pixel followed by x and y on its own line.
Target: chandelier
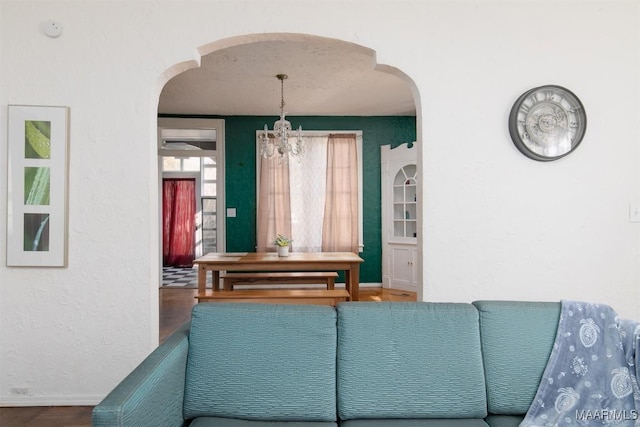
pixel 276 142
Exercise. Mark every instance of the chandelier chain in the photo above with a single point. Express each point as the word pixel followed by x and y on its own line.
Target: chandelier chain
pixel 282 77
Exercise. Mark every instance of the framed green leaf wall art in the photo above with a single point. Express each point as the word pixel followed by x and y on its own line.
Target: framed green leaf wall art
pixel 38 156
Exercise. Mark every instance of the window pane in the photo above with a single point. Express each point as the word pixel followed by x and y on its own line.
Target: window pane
pixel 209 222
pixel 209 241
pixel 210 173
pixel 209 189
pixel 170 164
pixel 209 205
pixel 191 164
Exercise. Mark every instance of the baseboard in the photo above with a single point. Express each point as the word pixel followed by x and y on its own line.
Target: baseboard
pixel 369 285
pixel 16 401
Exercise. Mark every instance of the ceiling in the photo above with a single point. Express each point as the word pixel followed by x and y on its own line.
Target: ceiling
pixel 326 77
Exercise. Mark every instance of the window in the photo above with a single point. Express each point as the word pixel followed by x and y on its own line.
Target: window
pixel 307 177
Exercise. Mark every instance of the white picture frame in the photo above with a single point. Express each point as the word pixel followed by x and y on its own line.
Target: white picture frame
pixel 37 194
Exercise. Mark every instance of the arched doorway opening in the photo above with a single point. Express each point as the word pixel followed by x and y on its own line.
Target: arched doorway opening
pixel 330 82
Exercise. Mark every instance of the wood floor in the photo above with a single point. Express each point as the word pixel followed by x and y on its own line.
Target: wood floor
pixel 175 309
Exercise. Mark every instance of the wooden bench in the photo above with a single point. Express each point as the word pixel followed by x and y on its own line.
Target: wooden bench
pixel 281 278
pixel 280 296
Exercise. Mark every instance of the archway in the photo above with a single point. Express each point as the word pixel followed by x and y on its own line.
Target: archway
pixel 252 61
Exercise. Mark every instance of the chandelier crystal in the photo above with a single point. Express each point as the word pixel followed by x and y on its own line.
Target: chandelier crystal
pixel 276 142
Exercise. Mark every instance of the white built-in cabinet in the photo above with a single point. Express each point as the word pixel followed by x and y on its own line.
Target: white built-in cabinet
pixel 399 217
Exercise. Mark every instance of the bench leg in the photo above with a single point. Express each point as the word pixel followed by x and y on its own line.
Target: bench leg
pixel 331 283
pixel 215 280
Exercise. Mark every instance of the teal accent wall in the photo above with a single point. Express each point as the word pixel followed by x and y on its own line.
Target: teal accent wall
pixel 240 146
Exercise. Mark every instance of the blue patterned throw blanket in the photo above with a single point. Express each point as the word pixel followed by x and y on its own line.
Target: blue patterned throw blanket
pixel 591 378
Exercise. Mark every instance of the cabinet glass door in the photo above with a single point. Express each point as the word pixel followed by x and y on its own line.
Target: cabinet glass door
pixel 405 202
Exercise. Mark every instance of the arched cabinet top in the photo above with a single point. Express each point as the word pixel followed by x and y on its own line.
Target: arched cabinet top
pixel 401 153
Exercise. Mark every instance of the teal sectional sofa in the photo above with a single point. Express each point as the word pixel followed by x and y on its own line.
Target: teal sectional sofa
pixel 360 364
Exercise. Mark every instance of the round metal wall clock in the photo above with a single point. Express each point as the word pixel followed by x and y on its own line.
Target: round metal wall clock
pixel 547 123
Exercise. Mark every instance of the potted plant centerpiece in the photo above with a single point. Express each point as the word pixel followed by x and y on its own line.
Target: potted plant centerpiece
pixel 282 243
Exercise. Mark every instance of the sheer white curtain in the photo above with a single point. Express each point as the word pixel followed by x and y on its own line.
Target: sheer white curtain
pixel 308 190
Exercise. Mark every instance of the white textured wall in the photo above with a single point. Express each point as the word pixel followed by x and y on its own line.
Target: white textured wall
pixel 497 225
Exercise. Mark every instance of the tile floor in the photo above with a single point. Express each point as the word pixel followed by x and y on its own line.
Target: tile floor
pixel 176 277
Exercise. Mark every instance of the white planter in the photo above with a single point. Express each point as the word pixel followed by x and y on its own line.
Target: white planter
pixel 283 250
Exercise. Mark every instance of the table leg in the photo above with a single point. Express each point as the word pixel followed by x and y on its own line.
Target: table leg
pixel 347 283
pixel 202 278
pixel 352 281
pixel 356 281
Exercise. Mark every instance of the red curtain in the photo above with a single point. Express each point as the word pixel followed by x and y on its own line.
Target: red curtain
pixel 178 212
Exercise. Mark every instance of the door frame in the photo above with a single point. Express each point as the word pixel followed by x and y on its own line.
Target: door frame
pixel 167 123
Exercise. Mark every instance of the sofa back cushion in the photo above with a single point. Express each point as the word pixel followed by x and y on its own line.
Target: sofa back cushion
pixel 262 362
pixel 517 338
pixel 409 360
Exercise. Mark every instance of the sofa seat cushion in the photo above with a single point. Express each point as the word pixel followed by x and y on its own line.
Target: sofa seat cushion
pixel 458 422
pixel 517 338
pixel 504 420
pixel 409 360
pixel 227 422
pixel 266 362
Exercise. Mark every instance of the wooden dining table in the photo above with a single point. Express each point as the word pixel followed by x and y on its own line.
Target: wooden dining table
pixel 216 262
